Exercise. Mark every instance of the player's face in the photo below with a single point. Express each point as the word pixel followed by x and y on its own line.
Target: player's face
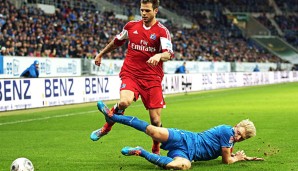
pixel 239 134
pixel 148 13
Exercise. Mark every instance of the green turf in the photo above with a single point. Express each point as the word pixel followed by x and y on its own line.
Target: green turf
pixel 57 138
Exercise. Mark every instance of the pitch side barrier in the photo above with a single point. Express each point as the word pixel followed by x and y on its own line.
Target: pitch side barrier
pixel 13 66
pixel 42 92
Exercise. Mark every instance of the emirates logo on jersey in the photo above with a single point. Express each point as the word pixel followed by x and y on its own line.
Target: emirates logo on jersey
pixel 143 48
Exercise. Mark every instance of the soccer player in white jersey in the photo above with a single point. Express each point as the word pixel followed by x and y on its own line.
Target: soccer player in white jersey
pixel 149 45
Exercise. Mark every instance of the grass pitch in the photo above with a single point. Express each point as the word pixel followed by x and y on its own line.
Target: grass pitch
pixel 57 138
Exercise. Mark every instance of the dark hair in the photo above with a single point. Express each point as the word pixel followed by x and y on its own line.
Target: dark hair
pixel 155 3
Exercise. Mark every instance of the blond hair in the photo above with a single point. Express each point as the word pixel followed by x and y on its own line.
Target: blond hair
pixel 250 129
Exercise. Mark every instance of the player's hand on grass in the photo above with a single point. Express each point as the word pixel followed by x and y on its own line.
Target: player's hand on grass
pixel 240 155
pixel 253 159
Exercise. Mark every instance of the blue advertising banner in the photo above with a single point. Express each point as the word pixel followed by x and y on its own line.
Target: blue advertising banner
pixel 1 64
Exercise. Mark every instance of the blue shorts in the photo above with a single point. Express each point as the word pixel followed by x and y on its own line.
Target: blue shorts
pixel 176 144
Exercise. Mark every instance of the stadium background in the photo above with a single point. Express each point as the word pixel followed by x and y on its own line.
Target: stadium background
pixel 233 36
pixel 207 30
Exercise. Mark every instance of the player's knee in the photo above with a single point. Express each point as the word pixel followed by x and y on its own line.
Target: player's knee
pixel 155 117
pixel 123 104
pixel 186 166
pixel 153 131
pixel 156 122
pixel 179 165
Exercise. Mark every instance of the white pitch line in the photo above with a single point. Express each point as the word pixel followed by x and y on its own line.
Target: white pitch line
pixel 57 116
pixel 45 118
pixel 50 117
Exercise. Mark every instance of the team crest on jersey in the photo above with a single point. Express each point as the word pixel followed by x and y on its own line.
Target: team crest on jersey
pixel 231 140
pixel 153 36
pixel 123 85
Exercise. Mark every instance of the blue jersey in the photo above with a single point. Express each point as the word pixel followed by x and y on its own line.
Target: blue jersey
pixel 31 72
pixel 199 146
pixel 181 69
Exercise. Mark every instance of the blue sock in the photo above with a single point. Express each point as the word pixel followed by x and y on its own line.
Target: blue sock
pixel 161 161
pixel 131 121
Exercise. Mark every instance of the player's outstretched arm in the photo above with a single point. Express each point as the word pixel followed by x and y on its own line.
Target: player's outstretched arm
pixel 110 47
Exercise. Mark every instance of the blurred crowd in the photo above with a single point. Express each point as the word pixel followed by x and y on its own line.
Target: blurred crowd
pixel 74 32
pixel 289 25
pixel 70 32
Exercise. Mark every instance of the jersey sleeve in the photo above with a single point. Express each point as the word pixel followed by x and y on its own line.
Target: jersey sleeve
pixel 226 137
pixel 32 72
pixel 166 46
pixel 165 42
pixel 120 38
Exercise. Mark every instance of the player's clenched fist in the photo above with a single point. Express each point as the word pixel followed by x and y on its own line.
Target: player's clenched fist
pixel 98 60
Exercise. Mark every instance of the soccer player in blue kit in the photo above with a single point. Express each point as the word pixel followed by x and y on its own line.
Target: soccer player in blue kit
pixel 185 146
